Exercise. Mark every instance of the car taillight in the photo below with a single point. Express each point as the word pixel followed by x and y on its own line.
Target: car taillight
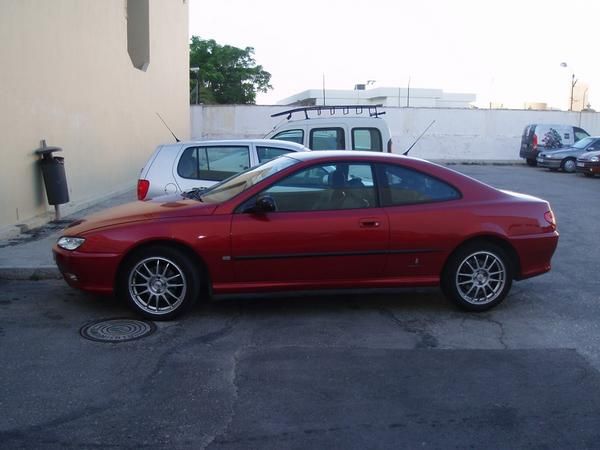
pixel 535 141
pixel 549 216
pixel 389 147
pixel 142 189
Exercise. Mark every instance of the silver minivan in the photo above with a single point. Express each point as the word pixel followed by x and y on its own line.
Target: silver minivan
pixel 183 166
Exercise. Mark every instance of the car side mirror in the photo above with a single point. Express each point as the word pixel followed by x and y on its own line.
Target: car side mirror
pixel 264 204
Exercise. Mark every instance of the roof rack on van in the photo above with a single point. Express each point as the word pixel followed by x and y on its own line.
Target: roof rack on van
pixel 358 109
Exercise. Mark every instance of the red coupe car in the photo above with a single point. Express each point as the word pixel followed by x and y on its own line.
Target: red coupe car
pixel 314 220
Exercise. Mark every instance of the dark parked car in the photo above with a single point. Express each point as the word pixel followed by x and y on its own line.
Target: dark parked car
pixel 314 220
pixel 589 163
pixel 541 137
pixel 565 158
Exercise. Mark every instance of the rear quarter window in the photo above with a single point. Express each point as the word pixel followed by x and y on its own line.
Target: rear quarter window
pixel 366 139
pixel 213 163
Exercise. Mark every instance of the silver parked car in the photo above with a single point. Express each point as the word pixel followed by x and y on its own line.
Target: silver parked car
pixel 183 166
pixel 566 158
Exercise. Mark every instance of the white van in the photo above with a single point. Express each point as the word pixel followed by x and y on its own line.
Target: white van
pixel 543 136
pixel 340 127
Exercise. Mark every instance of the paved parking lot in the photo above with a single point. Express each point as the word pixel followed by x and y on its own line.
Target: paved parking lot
pixel 400 369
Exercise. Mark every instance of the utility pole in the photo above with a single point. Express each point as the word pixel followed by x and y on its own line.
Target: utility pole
pixel 573 83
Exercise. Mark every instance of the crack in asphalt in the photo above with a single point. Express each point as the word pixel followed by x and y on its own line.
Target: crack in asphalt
pixel 488 319
pixel 234 383
pixel 413 326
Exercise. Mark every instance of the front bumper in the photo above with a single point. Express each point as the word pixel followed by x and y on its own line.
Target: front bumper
pixel 91 272
pixel 587 167
pixel 549 163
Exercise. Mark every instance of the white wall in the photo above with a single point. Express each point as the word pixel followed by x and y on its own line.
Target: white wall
pixel 458 134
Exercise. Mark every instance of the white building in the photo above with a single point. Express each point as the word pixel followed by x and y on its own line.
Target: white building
pixel 388 96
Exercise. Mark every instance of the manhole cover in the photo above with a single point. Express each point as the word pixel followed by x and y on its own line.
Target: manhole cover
pixel 117 330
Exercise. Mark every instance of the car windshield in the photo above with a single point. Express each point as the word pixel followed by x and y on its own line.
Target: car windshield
pixel 238 183
pixel 583 143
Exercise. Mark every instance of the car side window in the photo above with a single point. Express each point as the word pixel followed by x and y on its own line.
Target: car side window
pixel 580 134
pixel 290 135
pixel 366 139
pixel 325 187
pixel 214 163
pixel 402 186
pixel 327 139
pixel 268 153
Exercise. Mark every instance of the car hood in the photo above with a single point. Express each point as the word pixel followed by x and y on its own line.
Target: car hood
pixel 160 208
pixel 589 155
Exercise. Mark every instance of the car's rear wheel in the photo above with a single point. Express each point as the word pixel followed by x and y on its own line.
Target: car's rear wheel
pixel 531 162
pixel 159 282
pixel 478 276
pixel 569 165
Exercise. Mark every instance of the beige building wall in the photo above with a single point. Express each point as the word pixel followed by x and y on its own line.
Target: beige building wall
pixel 66 76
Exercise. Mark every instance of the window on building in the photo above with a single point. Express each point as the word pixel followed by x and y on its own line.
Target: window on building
pixel 138 33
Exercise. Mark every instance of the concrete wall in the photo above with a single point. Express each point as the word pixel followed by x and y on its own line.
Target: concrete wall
pixel 458 134
pixel 66 77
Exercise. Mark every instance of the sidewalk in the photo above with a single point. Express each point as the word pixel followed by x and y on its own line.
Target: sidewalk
pixel 29 255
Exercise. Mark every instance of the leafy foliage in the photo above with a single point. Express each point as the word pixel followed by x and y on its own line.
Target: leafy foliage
pixel 227 74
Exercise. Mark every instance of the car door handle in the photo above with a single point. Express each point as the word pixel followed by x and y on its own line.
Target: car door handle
pixel 369 223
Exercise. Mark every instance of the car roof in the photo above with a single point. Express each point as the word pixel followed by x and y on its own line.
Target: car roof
pixel 265 142
pixel 348 154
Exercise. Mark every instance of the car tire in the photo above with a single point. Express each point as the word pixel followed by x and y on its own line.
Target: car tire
pixel 159 282
pixel 477 276
pixel 569 165
pixel 531 162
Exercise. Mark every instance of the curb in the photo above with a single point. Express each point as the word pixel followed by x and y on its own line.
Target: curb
pixel 30 273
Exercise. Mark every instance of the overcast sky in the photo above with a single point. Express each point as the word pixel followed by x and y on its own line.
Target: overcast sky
pixel 502 50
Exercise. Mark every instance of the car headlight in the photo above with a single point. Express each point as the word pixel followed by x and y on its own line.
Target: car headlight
pixel 595 159
pixel 70 243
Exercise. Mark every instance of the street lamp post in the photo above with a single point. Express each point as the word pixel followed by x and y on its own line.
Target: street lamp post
pixel 197 71
pixel 573 83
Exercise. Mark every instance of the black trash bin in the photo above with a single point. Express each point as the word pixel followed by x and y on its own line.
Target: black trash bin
pixel 53 171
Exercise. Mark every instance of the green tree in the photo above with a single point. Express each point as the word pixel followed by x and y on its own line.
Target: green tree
pixel 227 74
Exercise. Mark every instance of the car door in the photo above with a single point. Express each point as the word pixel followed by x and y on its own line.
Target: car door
pixel 327 229
pixel 418 207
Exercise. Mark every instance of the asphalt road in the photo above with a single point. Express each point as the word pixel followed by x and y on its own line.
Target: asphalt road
pixel 402 369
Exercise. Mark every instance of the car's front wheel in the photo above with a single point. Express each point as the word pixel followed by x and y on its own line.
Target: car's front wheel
pixel 569 165
pixel 159 282
pixel 477 276
pixel 531 162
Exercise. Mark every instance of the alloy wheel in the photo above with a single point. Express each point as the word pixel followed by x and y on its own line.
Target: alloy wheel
pixel 157 285
pixel 480 278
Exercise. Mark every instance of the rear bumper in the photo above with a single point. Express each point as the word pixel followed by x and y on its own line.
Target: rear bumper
pixel 91 272
pixel 535 253
pixel 528 153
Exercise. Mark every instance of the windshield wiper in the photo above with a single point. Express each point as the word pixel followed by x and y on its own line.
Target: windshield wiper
pixel 195 193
